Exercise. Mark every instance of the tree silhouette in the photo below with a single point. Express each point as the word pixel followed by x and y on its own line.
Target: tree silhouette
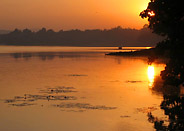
pixel 109 37
pixel 166 18
pixel 173 107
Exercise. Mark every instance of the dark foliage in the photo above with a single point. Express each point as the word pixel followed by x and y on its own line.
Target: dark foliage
pixel 173 107
pixel 166 18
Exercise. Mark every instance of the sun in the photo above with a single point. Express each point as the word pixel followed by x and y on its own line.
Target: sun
pixel 151 13
pixel 151 74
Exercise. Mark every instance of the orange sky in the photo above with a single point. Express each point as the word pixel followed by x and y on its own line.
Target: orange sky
pixel 71 14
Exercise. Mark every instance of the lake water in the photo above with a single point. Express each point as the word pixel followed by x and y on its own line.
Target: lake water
pixel 76 89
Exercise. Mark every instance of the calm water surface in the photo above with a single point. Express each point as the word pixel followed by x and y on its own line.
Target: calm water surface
pixel 76 89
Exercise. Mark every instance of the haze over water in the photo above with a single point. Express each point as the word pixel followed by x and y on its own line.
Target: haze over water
pixel 76 88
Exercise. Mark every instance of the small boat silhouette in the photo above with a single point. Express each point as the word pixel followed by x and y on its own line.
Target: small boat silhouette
pixel 120 47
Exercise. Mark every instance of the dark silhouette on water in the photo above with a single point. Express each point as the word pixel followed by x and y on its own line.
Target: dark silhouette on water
pixel 172 105
pixel 97 37
pixel 166 18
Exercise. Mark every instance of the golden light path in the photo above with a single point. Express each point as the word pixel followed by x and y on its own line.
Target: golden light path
pixel 151 74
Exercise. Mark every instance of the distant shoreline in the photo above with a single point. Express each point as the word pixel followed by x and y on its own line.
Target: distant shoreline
pixel 71 46
pixel 152 54
pixel 115 37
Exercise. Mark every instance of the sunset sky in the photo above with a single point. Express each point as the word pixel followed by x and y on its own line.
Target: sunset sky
pixel 71 14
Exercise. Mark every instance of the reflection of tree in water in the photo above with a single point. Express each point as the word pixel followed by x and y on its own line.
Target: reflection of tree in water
pixel 51 55
pixel 166 18
pixel 42 55
pixel 173 107
pixel 174 71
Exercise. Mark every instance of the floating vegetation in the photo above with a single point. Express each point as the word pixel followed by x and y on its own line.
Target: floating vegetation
pixel 9 101
pixel 146 109
pixel 77 75
pixel 115 81
pixel 48 94
pixel 59 89
pixel 23 104
pixel 74 110
pixel 85 106
pixel 55 94
pixel 125 116
pixel 134 81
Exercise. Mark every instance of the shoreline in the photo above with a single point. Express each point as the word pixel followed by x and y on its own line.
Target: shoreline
pixel 144 52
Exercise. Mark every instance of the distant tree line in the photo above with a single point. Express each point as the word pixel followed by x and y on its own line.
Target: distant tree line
pixel 4 31
pixel 108 37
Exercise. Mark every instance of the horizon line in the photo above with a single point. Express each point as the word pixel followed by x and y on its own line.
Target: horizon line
pixel 34 29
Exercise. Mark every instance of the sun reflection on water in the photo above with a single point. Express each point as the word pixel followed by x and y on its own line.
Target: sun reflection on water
pixel 151 74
